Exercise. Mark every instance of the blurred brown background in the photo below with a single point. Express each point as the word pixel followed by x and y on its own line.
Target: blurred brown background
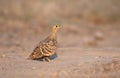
pixel 90 33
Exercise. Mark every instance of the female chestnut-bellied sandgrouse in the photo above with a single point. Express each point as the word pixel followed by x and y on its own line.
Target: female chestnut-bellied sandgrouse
pixel 47 47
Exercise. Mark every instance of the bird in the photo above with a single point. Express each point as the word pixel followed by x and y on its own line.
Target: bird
pixel 46 47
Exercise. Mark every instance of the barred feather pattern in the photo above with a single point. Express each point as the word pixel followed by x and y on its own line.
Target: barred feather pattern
pixel 47 47
pixel 44 48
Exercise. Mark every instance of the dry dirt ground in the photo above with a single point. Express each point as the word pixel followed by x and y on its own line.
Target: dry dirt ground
pixel 81 53
pixel 89 40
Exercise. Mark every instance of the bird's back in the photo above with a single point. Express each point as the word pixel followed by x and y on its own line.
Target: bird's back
pixel 44 48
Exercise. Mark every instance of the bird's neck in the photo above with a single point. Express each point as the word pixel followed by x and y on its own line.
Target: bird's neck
pixel 53 34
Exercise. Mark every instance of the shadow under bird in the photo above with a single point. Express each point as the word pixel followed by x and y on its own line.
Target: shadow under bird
pixel 47 47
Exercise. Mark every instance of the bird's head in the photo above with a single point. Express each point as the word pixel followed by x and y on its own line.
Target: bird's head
pixel 54 31
pixel 56 28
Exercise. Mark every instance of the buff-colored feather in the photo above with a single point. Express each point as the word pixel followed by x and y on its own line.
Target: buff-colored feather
pixel 47 47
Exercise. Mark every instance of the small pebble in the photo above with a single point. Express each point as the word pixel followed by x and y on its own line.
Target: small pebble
pixel 3 56
pixel 98 57
pixel 99 35
pixel 33 68
pixel 63 73
pixel 54 75
pixel 90 41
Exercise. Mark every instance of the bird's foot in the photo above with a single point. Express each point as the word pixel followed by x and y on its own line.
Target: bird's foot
pixel 46 59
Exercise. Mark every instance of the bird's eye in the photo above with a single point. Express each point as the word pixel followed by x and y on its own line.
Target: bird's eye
pixel 56 26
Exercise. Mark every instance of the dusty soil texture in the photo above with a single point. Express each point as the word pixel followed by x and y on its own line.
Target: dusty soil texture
pixel 78 56
pixel 88 41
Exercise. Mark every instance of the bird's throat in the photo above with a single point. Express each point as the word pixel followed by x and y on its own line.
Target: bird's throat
pixel 53 34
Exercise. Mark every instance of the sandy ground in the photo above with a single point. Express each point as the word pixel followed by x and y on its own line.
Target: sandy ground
pixel 85 56
pixel 89 40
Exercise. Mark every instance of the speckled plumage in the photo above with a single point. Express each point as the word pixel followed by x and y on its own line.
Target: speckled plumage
pixel 47 47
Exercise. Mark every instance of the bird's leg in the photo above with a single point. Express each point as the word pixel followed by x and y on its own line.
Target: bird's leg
pixel 46 59
pixel 43 59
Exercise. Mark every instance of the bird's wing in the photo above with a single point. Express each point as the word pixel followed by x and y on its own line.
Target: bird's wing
pixel 48 48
